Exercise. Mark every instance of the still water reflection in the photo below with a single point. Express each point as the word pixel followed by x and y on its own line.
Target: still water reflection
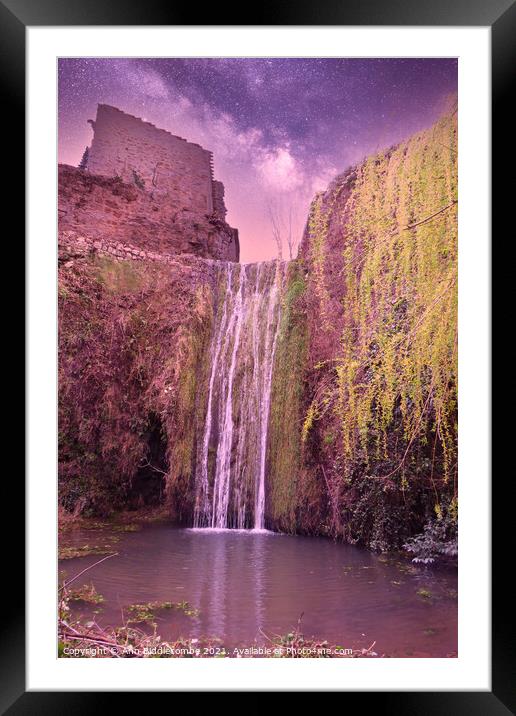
pixel 247 585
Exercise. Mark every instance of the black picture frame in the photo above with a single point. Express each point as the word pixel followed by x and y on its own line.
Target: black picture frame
pixel 500 15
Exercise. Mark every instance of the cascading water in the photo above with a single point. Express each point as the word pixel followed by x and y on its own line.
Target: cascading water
pixel 231 463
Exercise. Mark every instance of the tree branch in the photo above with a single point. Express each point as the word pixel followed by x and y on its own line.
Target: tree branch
pixel 423 221
pixel 66 584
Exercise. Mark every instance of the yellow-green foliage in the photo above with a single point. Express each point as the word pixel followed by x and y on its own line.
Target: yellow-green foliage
pixel 286 404
pixel 190 370
pixel 399 295
pixel 311 414
pixel 117 276
pixel 317 229
pixel 134 343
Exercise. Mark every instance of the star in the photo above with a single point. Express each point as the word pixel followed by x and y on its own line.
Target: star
pixel 275 126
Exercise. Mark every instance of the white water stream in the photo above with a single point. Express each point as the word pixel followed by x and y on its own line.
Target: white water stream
pixel 230 479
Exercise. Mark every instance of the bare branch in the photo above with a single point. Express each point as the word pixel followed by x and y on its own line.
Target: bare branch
pixel 427 218
pixel 275 219
pixel 66 584
pixel 147 464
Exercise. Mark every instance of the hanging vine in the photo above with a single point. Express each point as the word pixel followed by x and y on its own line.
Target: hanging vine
pixel 397 360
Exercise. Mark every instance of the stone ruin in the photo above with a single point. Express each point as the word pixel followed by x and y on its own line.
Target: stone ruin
pixel 143 186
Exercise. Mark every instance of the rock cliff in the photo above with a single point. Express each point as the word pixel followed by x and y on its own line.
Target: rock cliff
pixel 108 208
pixel 362 440
pixel 365 445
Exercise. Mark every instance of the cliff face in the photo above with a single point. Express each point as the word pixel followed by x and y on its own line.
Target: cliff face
pixel 133 346
pixel 140 225
pixel 109 208
pixel 362 433
pixel 365 445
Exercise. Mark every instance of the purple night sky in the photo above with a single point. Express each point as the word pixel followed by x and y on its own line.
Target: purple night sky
pixel 279 129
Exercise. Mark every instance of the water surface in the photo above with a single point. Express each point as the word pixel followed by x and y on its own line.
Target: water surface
pixel 250 585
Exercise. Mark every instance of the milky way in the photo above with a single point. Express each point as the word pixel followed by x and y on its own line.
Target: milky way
pixel 279 129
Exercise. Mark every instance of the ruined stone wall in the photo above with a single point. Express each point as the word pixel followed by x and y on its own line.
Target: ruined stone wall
pixel 72 246
pixel 156 160
pixel 108 208
pixel 219 208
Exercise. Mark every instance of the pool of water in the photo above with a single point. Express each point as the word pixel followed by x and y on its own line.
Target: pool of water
pixel 249 586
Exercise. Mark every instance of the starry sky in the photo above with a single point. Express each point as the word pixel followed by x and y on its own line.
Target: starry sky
pixel 279 128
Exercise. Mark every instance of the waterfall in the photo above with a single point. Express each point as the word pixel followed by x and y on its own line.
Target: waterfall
pixel 230 473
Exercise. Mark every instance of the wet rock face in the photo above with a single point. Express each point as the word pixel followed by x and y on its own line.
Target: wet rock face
pixel 108 208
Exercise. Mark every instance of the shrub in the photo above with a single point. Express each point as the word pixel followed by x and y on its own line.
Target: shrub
pixel 438 539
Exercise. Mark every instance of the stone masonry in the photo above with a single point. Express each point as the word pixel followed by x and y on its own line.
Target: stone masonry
pixel 73 247
pixel 146 187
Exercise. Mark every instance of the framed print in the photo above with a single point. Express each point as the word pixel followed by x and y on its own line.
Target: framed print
pixel 258 366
